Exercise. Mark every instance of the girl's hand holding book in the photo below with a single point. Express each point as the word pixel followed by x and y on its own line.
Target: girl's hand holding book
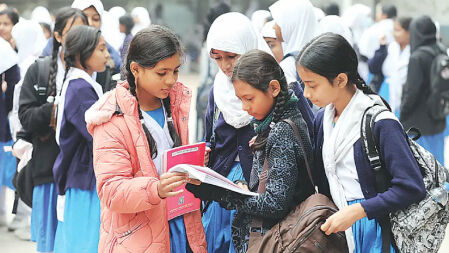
pixel 170 181
pixel 206 156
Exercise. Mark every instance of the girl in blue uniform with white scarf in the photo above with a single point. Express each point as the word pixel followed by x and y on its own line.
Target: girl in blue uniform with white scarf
pixel 328 67
pixel 227 125
pixel 85 53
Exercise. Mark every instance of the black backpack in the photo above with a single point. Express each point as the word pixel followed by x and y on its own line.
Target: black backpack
pixel 23 180
pixel 438 101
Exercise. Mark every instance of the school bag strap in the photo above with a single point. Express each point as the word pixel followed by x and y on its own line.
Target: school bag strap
pixel 410 228
pixel 256 229
pixel 372 151
pixel 43 75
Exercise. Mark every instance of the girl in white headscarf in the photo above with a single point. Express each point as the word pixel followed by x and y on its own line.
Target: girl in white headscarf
pixel 141 19
pixel 9 76
pixel 296 25
pixel 40 14
pixel 335 24
pixel 24 32
pixel 259 18
pixel 111 27
pixel 227 124
pixel 269 35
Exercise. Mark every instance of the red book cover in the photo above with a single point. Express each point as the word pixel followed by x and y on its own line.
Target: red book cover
pixel 189 154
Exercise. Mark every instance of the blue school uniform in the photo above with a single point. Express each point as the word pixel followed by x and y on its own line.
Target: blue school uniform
pixel 407 183
pixel 74 174
pixel 178 235
pixel 43 217
pixel 7 160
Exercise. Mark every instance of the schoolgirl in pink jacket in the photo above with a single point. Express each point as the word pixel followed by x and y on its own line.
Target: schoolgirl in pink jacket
pixel 131 127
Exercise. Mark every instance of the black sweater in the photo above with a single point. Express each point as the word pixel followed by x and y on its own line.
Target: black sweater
pixel 35 115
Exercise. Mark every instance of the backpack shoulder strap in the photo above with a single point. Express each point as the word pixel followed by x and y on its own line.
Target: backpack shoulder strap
pixel 371 149
pixel 301 143
pixel 43 68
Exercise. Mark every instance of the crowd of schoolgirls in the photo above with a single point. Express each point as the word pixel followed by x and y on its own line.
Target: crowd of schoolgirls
pixel 97 145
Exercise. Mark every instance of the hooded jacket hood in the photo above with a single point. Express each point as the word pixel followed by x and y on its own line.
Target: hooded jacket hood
pixel 422 32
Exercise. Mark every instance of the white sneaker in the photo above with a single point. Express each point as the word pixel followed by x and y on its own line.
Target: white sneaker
pixel 23 233
pixel 17 223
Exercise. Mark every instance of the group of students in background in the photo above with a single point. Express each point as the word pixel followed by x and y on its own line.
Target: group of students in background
pixel 97 144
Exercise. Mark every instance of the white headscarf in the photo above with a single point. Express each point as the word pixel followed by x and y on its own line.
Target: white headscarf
pixel 111 27
pixel 357 18
pixel 117 11
pixel 84 4
pixel 335 24
pixel 258 19
pixel 297 22
pixel 40 14
pixel 9 56
pixel 268 30
pixel 144 19
pixel 24 32
pixel 72 74
pixel 231 32
pixel 395 69
pixel 319 14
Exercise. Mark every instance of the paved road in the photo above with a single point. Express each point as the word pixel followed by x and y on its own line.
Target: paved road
pixel 11 244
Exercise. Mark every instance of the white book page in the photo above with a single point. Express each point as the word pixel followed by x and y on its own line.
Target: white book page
pixel 208 176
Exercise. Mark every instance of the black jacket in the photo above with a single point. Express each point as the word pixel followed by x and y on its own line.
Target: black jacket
pixel 34 115
pixel 416 91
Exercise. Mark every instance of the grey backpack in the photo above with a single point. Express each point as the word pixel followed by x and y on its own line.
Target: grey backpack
pixel 421 226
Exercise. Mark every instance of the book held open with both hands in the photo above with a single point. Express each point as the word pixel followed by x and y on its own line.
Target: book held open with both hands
pixel 189 159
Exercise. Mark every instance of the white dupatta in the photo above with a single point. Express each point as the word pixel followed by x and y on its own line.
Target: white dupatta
pixel 231 32
pixel 339 140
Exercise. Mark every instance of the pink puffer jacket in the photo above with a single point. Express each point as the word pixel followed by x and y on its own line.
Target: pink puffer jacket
pixel 133 216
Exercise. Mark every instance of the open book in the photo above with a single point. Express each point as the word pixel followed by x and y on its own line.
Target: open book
pixel 208 176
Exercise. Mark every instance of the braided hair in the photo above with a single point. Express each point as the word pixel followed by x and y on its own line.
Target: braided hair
pixel 63 16
pixel 329 55
pixel 80 44
pixel 148 47
pixel 258 69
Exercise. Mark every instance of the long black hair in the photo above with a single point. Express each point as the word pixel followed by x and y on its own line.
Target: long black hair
pixel 80 43
pixel 148 47
pixel 258 69
pixel 329 55
pixel 63 16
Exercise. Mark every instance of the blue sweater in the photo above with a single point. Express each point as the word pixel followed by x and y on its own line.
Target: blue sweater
pixel 73 167
pixel 407 186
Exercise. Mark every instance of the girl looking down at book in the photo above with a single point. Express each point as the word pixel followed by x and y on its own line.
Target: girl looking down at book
pixel 261 86
pixel 228 129
pixel 132 126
